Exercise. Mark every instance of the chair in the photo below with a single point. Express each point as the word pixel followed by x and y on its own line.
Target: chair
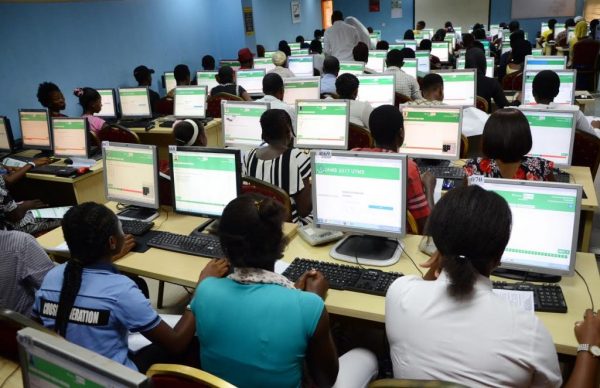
pixel 93 139
pixel 401 99
pixel 482 104
pixel 586 151
pixel 585 61
pixel 359 137
pixel 413 227
pixel 10 323
pixel 401 383
pixel 464 146
pixel 513 81
pixel 257 186
pixel 119 134
pixel 165 194
pixel 164 106
pixel 173 375
pixel 213 103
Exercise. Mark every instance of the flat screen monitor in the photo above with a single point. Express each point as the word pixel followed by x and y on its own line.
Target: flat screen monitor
pixel 545 225
pixel 440 50
pixel 355 68
pixel 376 60
pixel 301 88
pixel 204 180
pixel 265 64
pixel 552 134
pixel 451 39
pixel 410 67
pixel 558 28
pixel 537 52
pixel 398 46
pixel 364 194
pixel 460 86
pixel 269 54
pixel 486 46
pixel 377 89
pixel 322 124
pixel 170 82
pixel 109 104
pixel 35 129
pixel 301 65
pixel 545 62
pixel 207 78
pixel 241 123
pixel 296 52
pixel 233 63
pixel 432 132
pixel 489 63
pixel 566 93
pixel 251 80
pixel 70 137
pixel 423 63
pixel 190 102
pixel 494 29
pixel 135 103
pixel 294 46
pixel 570 34
pixel 411 44
pixel 6 137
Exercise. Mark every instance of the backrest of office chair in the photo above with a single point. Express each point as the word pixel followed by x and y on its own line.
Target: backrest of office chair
pixel 335 96
pixel 585 53
pixel 508 82
pixel 164 106
pixel 181 376
pixel 165 193
pixel 359 137
pixel 405 383
pixel 464 146
pixel 10 323
pixel 118 134
pixel 482 104
pixel 401 99
pixel 257 186
pixel 213 103
pixel 586 151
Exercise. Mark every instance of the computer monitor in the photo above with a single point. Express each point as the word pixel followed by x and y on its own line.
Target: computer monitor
pixel 494 29
pixel 410 67
pixel 7 144
pixel 451 39
pixel 377 89
pixel 376 60
pixel 131 178
pixel 552 133
pixel 545 226
pixel 411 44
pixel 489 63
pixel 322 124
pixel 537 52
pixel 364 194
pixel 566 93
pixel 35 130
pixel 558 28
pixel 170 82
pixel 294 46
pixel 233 63
pixel 207 78
pixel 432 132
pixel 70 137
pixel 355 68
pixel 570 34
pixel 48 360
pixel 135 103
pixel 398 46
pixel 190 102
pixel 486 46
pixel 241 122
pixel 545 62
pixel 251 80
pixel 301 65
pixel 264 63
pixel 423 63
pixel 269 54
pixel 440 50
pixel 460 86
pixel 109 104
pixel 301 88
pixel 301 51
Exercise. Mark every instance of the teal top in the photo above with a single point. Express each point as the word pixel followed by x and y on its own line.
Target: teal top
pixel 254 335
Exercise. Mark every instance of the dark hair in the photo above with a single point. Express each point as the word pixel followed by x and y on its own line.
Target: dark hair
pixel 439 35
pixel 87 96
pixel 251 231
pixel 470 228
pixel 317 34
pixel 345 85
pixel 570 22
pixel 421 23
pixel 331 65
pixel 520 49
pixel 382 45
pixel 516 36
pixel 86 229
pixel 183 131
pixel 182 73
pixel 360 52
pixel 260 51
pixel 316 46
pixel 513 25
pixel 475 59
pixel 44 91
pixel 337 15
pixel 386 124
pixel 407 52
pixel 479 34
pixel 370 29
pixel 299 39
pixel 285 47
pixel 225 75
pixel 409 35
pixel 272 83
pixel 468 40
pixel 432 81
pixel 506 136
pixel 552 23
pixel 448 24
pixel 425 45
pixel 546 85
pixel 502 25
pixel 274 124
pixel 593 25
pixel 208 62
pixel 394 58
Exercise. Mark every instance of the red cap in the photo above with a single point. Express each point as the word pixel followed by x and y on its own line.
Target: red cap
pixel 245 55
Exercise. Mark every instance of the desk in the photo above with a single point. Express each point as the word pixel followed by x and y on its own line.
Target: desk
pixel 583 176
pixel 10 374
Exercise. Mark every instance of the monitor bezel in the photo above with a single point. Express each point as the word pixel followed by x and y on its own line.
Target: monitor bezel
pixel 573 127
pixel 294 57
pixel 189 116
pixel 263 71
pixel 123 115
pixel 533 103
pixel 224 121
pixel 86 126
pixel 548 57
pixel 393 96
pixel 288 80
pixel 328 102
pixel 37 147
pixel 474 71
pixel 114 98
pixel 9 135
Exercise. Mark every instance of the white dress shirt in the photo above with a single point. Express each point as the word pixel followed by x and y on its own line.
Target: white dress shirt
pixel 405 84
pixel 339 40
pixel 278 104
pixel 360 111
pixel 478 342
pixel 581 122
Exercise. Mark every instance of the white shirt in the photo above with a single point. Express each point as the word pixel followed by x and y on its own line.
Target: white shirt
pixel 481 341
pixel 405 84
pixel 360 111
pixel 339 40
pixel 318 62
pixel 284 72
pixel 581 122
pixel 278 104
pixel 363 33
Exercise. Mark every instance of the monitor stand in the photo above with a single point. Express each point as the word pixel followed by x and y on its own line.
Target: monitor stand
pixel 525 275
pixel 211 225
pixel 367 250
pixel 137 213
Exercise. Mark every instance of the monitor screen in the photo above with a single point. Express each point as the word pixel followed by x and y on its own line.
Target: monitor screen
pixel 301 65
pixel 570 34
pixel 265 64
pixel 355 68
pixel 552 134
pixel 207 78
pixel 558 28
pixel 376 60
pixel 269 54
pixel 566 92
pixel 360 192
pixel 192 168
pixel 6 137
pixel 135 102
pixel 190 102
pixel 35 129
pixel 299 52
pixel 545 224
pixel 70 136
pixel 545 62
pixel 486 46
pixel 233 63
pixel 398 46
pixel 294 46
pixel 131 174
pixel 241 122
pixel 295 88
pixel 410 67
pixel 109 103
pixel 423 63
pixel 494 28
pixel 440 50
pixel 459 87
pixel 322 124
pixel 411 44
pixel 251 80
pixel 537 52
pixel 170 82
pixel 432 132
pixel 377 89
pixel 489 63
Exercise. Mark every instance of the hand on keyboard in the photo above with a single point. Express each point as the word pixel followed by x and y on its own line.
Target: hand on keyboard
pixel 128 244
pixel 313 281
pixel 215 268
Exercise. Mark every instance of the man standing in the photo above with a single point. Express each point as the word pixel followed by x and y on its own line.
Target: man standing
pixel 340 38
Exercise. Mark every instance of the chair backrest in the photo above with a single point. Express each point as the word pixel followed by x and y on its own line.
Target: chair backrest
pixel 164 106
pixel 585 53
pixel 165 193
pixel 359 137
pixel 464 146
pixel 257 186
pixel 401 99
pixel 119 134
pixel 413 227
pixel 10 323
pixel 586 151
pixel 509 82
pixel 181 376
pixel 402 383
pixel 482 104
pixel 213 103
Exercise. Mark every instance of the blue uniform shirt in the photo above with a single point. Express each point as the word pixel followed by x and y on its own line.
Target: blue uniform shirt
pixel 108 306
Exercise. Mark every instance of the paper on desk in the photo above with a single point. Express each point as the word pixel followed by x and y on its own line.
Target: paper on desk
pixel 10 162
pixel 50 212
pixel 520 299
pixel 138 341
pixel 437 192
pixel 82 162
pixel 281 266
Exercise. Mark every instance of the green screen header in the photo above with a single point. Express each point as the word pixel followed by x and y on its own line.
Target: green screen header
pixel 357 171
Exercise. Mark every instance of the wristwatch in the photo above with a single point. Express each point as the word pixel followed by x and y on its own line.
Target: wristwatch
pixel 593 349
pixel 32 164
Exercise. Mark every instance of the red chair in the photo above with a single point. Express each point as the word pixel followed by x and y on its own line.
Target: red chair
pixel 213 103
pixel 513 81
pixel 359 137
pixel 482 104
pixel 586 151
pixel 10 323
pixel 401 99
pixel 585 61
pixel 257 186
pixel 165 194
pixel 164 106
pixel 181 376
pixel 118 134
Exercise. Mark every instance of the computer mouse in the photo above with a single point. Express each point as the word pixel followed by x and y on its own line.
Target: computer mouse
pixel 82 170
pixel 150 126
pixel 68 161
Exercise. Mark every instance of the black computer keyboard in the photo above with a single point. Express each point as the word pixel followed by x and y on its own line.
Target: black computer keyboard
pixel 563 177
pixel 444 172
pixel 31 159
pixel 135 123
pixel 206 245
pixel 136 227
pixel 345 277
pixel 546 297
pixel 54 170
pixel 167 124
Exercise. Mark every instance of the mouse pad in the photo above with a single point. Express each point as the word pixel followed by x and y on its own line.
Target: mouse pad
pixel 141 246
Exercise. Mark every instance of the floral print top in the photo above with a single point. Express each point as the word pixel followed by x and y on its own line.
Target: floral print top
pixel 531 169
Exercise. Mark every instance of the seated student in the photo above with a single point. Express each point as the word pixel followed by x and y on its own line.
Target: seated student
pixel 420 26
pixel 226 79
pixel 432 89
pixel 331 69
pixel 488 88
pixel 405 84
pixel 473 337
pixel 318 34
pixel 346 87
pixel 448 27
pixel 520 48
pixel 284 47
pixel 387 128
pixel 279 59
pixel 260 51
pixel 108 304
pixel 434 62
pixel 91 102
pixel 360 53
pixel 189 132
pixel 548 35
pixel 208 62
pixel 274 91
pixel 282 165
pixel 382 45
pixel 594 33
pixel 562 37
pixel 50 96
pixel 143 76
pixel 182 78
pixel 409 35
pixel 246 58
pixel 439 35
pixel 316 50
pixel 505 141
pixel 303 43
pixel 258 329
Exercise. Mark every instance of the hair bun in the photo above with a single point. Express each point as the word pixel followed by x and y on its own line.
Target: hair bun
pixel 78 92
